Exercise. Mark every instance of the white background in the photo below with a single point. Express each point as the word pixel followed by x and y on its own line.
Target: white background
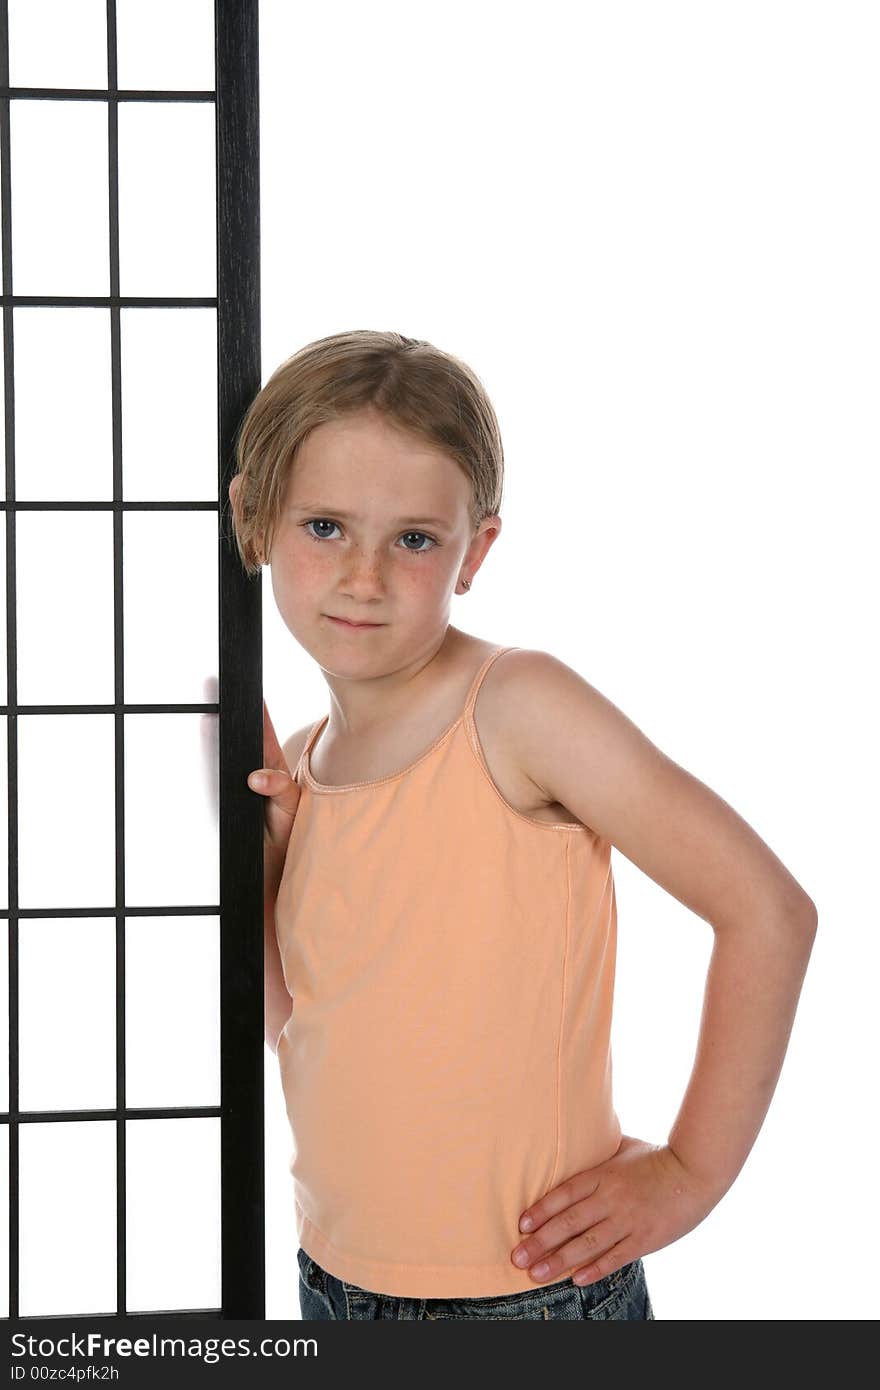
pixel 652 231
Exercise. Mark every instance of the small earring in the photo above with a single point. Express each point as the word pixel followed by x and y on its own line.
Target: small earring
pixel 466 583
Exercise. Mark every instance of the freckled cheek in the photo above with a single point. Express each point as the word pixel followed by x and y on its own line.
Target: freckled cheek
pixel 298 581
pixel 420 580
pixel 311 571
pixel 306 570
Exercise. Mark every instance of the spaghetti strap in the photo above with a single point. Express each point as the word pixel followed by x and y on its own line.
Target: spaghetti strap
pixel 478 678
pixel 306 748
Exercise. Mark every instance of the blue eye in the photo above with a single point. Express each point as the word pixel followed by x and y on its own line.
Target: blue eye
pixel 318 521
pixel 325 521
pixel 424 538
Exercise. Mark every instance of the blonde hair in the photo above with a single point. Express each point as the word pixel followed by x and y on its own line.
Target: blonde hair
pixel 420 388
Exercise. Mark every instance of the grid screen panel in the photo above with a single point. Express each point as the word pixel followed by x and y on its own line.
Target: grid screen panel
pixel 131 974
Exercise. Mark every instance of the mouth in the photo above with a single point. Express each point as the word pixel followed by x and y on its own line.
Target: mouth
pixel 346 623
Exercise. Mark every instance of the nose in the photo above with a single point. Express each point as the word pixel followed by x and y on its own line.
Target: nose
pixel 362 575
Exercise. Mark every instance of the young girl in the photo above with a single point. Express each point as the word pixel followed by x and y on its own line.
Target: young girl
pixel 440 913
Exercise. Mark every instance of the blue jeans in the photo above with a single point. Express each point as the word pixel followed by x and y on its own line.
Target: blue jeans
pixel 623 1294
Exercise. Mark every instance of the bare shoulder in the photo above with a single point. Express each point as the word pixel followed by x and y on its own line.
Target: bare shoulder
pixel 531 688
pixel 294 745
pixel 582 751
pixel 547 712
pixel 502 714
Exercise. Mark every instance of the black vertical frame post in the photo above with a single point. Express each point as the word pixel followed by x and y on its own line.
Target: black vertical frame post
pixel 241 704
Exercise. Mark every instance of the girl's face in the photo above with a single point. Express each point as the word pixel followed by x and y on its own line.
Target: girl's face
pixel 374 528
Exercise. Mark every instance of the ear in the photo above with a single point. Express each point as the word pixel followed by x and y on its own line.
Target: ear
pixel 485 537
pixel 234 486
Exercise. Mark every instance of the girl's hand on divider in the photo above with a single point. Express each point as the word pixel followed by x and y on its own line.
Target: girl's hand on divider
pixel 279 789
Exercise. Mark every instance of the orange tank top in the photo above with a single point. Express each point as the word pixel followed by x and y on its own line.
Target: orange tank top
pixel 447 1060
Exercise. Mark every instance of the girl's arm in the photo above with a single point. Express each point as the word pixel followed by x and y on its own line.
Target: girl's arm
pixel 277 1003
pixel 752 989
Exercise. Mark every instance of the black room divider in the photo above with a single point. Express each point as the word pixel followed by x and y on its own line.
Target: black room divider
pixel 132 1126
